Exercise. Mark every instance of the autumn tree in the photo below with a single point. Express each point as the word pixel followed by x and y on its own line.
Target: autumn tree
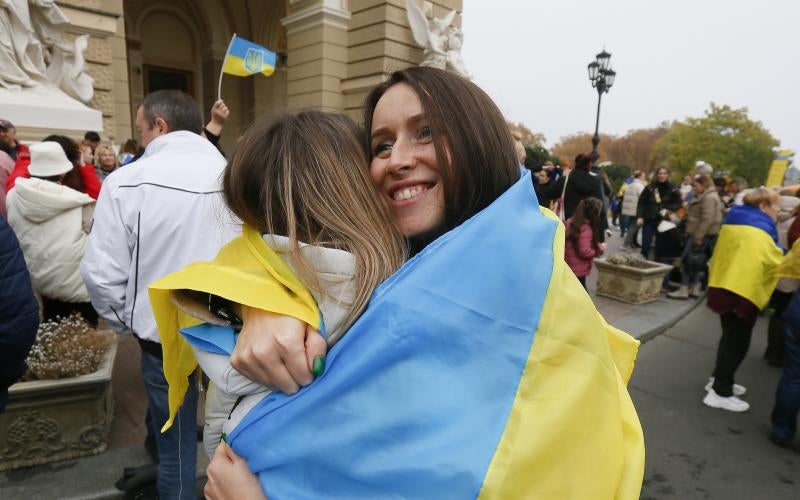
pixel 526 136
pixel 570 146
pixel 724 137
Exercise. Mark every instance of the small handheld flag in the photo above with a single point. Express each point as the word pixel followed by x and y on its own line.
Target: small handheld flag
pixel 245 58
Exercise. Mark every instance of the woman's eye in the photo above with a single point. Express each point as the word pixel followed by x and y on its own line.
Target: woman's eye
pixel 425 132
pixel 382 150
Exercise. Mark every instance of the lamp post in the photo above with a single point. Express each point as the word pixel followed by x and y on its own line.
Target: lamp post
pixel 602 78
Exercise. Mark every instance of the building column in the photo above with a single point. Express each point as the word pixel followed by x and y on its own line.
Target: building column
pixel 317 40
pixel 381 42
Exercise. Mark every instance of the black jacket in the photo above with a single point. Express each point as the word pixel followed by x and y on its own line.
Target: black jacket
pixel 580 184
pixel 649 207
pixel 19 311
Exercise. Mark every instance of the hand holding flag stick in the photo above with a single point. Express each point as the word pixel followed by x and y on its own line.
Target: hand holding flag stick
pixel 245 58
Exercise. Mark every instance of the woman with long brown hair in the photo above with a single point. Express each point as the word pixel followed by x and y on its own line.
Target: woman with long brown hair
pixel 439 389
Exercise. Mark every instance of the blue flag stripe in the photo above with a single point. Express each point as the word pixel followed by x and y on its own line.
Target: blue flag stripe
pixel 416 396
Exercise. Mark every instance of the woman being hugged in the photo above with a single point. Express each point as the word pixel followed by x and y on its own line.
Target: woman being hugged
pixel 439 388
pixel 741 279
pixel 299 184
pixel 584 238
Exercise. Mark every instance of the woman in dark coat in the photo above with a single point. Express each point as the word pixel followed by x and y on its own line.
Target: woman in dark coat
pixel 581 183
pixel 658 199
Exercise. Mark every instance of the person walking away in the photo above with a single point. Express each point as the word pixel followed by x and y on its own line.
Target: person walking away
pixel 52 221
pixel 657 199
pixel 575 185
pixel 105 161
pixel 702 227
pixel 741 280
pixel 584 232
pixel 630 200
pixel 152 220
pixel 19 312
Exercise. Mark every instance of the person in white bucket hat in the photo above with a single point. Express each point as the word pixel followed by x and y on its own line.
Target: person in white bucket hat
pixel 52 222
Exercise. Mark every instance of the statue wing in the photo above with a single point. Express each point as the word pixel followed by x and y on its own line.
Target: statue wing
pixel 448 19
pixel 419 24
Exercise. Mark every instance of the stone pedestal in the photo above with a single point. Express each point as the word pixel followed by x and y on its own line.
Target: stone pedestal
pixel 52 420
pixel 43 110
pixel 633 285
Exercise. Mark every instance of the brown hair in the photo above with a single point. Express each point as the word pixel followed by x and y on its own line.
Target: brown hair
pixel 73 178
pixel 704 180
pixel 305 176
pixel 583 162
pixel 473 145
pixel 589 211
pixel 761 196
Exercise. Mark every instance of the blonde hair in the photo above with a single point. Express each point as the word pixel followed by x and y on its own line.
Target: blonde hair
pixel 305 176
pixel 760 196
pixel 99 150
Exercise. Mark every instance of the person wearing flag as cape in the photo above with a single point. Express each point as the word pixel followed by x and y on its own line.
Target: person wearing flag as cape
pixel 741 279
pixel 472 372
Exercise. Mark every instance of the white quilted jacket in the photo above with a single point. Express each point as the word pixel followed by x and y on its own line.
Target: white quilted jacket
pixel 48 220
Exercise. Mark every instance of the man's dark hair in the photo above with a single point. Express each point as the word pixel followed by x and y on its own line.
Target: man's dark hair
pixel 175 107
pixel 91 136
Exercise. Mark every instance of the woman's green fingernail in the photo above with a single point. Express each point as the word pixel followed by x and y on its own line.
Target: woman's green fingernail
pixel 318 366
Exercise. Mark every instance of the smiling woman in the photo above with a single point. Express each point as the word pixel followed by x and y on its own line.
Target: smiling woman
pixel 435 166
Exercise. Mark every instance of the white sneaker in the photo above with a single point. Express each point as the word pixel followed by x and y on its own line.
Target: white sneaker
pixel 738 390
pixel 731 403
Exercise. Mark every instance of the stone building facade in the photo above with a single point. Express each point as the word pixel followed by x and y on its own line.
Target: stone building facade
pixel 331 52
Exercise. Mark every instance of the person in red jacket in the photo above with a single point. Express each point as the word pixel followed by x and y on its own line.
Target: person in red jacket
pixel 82 177
pixel 584 232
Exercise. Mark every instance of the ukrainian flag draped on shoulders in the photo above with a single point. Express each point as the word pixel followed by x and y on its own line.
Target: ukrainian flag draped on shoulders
pixel 246 271
pixel 747 255
pixel 476 371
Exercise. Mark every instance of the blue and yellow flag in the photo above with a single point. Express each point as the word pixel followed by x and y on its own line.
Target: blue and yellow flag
pixel 476 371
pixel 245 58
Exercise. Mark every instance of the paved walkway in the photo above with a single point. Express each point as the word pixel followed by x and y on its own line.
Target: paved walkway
pixel 696 452
pixel 94 477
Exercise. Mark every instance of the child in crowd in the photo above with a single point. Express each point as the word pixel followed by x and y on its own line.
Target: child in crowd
pixel 301 185
pixel 584 231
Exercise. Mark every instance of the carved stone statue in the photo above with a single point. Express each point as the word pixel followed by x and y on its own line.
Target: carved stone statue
pixel 32 52
pixel 440 41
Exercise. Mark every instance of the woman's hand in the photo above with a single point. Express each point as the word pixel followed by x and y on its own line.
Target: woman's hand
pixel 639 221
pixel 230 478
pixel 279 352
pixel 601 247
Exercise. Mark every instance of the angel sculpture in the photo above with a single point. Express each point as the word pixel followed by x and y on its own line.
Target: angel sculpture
pixel 441 42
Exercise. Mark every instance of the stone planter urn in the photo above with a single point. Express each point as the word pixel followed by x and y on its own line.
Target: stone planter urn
pixel 52 420
pixel 630 278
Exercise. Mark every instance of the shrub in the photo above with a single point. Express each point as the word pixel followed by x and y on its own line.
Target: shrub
pixel 67 347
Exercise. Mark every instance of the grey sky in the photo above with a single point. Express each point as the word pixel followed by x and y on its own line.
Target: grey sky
pixel 672 59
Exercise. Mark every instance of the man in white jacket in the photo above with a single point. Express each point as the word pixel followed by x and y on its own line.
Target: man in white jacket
pixel 152 219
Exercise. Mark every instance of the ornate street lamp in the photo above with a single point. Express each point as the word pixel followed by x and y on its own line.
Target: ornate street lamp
pixel 602 77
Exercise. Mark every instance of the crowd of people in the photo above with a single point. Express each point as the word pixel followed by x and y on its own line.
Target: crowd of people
pixel 337 260
pixel 717 235
pixel 409 199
